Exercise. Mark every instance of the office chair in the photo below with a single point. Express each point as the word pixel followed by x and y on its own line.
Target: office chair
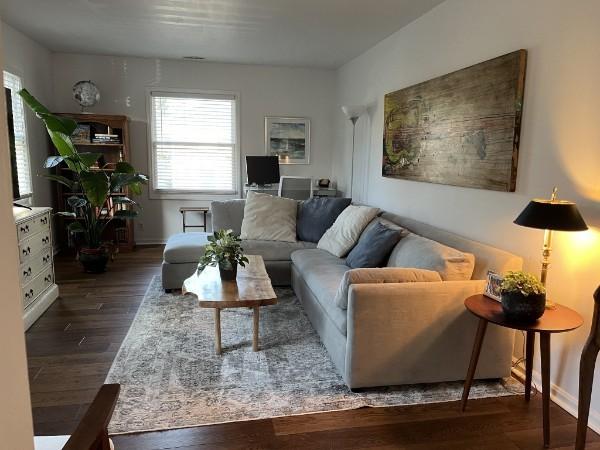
pixel 297 188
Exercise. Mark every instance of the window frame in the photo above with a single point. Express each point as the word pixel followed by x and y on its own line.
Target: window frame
pixel 177 194
pixel 26 198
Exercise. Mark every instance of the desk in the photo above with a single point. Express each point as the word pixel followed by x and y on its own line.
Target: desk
pixel 274 190
pixel 185 209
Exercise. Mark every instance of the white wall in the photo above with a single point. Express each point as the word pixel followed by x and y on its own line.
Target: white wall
pixel 560 140
pixel 33 63
pixel 16 428
pixel 264 91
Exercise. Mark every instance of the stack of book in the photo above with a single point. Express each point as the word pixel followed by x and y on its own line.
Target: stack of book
pixel 106 138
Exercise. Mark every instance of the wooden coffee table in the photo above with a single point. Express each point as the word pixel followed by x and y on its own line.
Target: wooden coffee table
pixel 251 289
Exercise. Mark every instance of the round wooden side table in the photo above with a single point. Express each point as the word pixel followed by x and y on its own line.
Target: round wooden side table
pixel 557 320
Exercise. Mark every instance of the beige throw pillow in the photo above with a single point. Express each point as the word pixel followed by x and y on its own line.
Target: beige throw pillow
pixel 269 218
pixel 421 253
pixel 381 275
pixel 345 231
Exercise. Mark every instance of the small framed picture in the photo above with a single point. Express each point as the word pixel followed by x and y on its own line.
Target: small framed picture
pixel 288 138
pixel 492 289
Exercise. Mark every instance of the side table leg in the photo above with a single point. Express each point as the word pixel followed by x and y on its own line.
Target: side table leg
pixel 256 327
pixel 529 350
pixel 473 364
pixel 217 331
pixel 545 354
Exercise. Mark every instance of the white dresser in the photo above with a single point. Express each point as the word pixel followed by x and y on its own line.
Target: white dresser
pixel 38 289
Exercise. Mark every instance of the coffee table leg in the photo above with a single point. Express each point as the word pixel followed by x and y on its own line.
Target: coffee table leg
pixel 217 331
pixel 256 326
pixel 529 346
pixel 473 364
pixel 545 354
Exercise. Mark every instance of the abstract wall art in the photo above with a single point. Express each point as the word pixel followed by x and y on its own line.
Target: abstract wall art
pixel 460 129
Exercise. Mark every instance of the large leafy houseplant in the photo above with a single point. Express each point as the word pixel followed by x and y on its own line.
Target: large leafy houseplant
pixel 98 194
pixel 225 250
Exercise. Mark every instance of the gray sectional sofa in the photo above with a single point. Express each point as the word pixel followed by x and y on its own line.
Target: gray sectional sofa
pixel 391 333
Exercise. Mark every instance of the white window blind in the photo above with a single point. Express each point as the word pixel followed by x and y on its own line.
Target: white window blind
pixel 13 82
pixel 194 148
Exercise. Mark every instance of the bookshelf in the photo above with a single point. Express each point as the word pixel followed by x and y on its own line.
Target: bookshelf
pixel 114 130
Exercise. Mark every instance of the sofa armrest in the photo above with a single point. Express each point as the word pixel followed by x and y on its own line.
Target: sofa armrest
pixel 421 331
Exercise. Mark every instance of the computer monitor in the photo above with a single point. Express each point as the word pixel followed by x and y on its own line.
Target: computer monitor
pixel 262 170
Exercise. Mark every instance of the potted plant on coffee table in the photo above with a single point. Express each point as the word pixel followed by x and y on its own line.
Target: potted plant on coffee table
pixel 224 249
pixel 523 297
pixel 98 194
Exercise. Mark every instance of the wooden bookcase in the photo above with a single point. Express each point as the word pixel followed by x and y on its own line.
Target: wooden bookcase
pixel 120 231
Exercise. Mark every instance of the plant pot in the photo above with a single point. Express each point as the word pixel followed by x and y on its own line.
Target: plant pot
pixel 520 308
pixel 93 260
pixel 228 271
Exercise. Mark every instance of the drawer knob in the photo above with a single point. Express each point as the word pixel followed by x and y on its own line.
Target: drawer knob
pixel 27 273
pixel 48 278
pixel 26 251
pixel 24 229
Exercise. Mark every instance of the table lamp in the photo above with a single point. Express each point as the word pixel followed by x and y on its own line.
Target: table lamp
pixel 550 215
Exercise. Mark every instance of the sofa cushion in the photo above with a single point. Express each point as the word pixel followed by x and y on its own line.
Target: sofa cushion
pixel 323 273
pixel 415 251
pixel 274 250
pixel 316 215
pixel 185 247
pixel 269 218
pixel 345 231
pixel 228 215
pixel 374 246
pixel 380 275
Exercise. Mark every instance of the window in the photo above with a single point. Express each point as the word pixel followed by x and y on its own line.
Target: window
pixel 13 82
pixel 194 147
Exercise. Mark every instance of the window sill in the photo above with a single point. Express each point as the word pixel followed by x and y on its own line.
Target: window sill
pixel 183 195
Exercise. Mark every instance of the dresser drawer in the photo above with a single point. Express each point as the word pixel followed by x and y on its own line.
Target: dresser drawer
pixel 32 226
pixel 34 244
pixel 35 265
pixel 38 285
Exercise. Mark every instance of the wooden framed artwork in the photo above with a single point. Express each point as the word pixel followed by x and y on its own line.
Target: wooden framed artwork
pixel 492 287
pixel 288 138
pixel 460 129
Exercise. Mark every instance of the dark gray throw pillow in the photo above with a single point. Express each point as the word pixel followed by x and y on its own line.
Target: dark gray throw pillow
pixel 373 247
pixel 316 215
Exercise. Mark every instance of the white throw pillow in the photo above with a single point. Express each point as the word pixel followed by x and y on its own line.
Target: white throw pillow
pixel 345 231
pixel 269 218
pixel 421 253
pixel 380 275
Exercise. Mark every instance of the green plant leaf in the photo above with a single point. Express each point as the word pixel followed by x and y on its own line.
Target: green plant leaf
pixel 66 214
pixel 52 161
pixel 53 123
pixel 76 202
pixel 88 159
pixel 124 167
pixel 120 180
pixel 124 201
pixel 96 187
pixel 75 226
pixel 63 143
pixel 60 179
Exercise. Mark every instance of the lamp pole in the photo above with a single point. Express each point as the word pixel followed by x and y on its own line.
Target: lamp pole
pixel 353 120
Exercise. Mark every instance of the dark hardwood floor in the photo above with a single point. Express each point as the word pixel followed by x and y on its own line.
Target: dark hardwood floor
pixel 71 348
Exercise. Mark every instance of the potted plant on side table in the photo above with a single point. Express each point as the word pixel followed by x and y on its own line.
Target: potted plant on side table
pixel 97 193
pixel 224 249
pixel 523 297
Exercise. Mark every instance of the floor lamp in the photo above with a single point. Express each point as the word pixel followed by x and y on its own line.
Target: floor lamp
pixel 353 113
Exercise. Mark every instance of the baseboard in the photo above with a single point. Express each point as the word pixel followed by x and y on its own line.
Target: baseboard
pixel 559 396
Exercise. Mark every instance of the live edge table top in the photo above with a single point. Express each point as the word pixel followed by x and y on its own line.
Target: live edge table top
pixel 251 288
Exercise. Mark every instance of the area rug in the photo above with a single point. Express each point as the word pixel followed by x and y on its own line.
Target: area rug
pixel 171 377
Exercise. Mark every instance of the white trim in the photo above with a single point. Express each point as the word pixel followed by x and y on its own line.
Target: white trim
pixel 559 396
pixel 158 194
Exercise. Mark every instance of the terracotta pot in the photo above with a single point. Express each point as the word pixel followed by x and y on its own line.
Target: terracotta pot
pixel 93 260
pixel 228 271
pixel 520 308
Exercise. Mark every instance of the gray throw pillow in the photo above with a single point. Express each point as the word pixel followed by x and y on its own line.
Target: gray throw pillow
pixel 373 247
pixel 316 215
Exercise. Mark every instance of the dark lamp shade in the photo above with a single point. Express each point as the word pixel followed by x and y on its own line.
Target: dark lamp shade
pixel 556 215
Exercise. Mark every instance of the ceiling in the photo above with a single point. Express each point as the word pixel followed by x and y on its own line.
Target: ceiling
pixel 312 33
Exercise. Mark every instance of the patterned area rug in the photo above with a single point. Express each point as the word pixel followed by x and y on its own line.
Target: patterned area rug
pixel 171 376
